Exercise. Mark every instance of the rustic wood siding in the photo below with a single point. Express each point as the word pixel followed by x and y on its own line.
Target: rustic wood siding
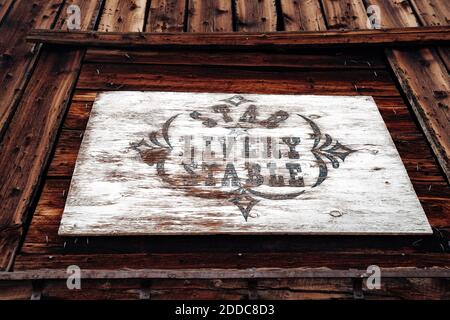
pixel 33 136
pixel 166 16
pixel 342 72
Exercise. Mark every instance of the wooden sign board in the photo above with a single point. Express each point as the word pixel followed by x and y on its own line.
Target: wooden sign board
pixel 163 163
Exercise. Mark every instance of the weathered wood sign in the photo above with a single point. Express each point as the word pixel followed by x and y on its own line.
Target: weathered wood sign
pixel 161 163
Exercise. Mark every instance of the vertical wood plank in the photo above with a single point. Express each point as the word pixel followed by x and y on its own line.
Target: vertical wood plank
pixel 166 16
pixel 30 137
pixel 432 12
pixel 394 13
pixel 16 55
pixel 426 83
pixel 346 14
pixel 445 56
pixel 123 16
pixel 210 16
pixel 46 17
pixel 303 15
pixel 435 13
pixel 5 5
pixel 423 78
pixel 88 9
pixel 256 15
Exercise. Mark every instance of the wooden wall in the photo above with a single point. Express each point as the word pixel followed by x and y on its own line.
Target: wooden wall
pixel 47 92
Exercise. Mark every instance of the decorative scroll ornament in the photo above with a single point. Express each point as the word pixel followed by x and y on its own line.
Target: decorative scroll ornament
pixel 199 178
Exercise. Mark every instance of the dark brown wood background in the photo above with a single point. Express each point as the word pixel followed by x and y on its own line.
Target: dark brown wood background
pixel 47 93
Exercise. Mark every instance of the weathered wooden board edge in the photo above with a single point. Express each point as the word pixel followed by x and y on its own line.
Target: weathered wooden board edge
pixel 11 234
pixel 214 273
pixel 63 233
pixel 379 37
pixel 312 60
pixel 5 9
pixel 229 289
pixel 24 57
pixel 420 110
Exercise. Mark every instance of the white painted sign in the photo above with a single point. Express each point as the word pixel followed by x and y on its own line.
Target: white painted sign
pixel 162 163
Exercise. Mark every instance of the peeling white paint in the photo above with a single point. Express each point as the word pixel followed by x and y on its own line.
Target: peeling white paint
pixel 114 192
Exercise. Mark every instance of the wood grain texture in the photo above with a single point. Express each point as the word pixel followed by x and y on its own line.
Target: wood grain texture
pixel 302 15
pixel 42 240
pixel 5 6
pixel 97 253
pixel 312 59
pixel 424 79
pixel 434 13
pixel 17 57
pixel 88 9
pixel 411 68
pixel 347 14
pixel 426 83
pixel 123 16
pixel 445 56
pixel 256 15
pixel 128 188
pixel 166 16
pixel 107 77
pixel 394 13
pixel 416 155
pixel 231 289
pixel 15 291
pixel 19 173
pixel 307 39
pixel 210 16
pixel 17 61
pixel 29 140
pixel 43 248
pixel 219 273
pixel 395 115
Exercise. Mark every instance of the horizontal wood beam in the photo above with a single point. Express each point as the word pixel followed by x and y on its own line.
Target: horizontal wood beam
pixel 211 273
pixel 386 37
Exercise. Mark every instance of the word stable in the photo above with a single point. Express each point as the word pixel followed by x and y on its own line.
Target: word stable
pixel 251 152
